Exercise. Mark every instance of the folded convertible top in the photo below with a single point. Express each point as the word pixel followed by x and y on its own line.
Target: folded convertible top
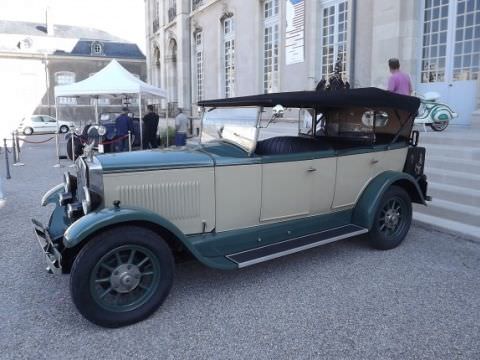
pixel 363 97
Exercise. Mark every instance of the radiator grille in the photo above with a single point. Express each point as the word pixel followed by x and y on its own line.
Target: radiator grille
pixel 179 200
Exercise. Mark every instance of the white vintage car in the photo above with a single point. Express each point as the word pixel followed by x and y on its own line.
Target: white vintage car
pixel 122 220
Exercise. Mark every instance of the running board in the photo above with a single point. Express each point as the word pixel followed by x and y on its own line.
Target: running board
pixel 273 251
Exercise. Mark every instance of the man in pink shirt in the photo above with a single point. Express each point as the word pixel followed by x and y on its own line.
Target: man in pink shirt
pixel 398 82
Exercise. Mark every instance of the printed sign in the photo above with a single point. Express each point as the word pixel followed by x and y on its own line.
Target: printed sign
pixel 295 31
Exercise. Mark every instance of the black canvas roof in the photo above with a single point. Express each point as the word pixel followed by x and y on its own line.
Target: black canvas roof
pixel 362 97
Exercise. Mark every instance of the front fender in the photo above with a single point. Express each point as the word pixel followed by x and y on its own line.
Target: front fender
pixel 89 224
pixel 51 196
pixel 367 204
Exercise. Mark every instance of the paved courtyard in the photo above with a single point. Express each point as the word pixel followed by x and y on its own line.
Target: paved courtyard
pixel 340 301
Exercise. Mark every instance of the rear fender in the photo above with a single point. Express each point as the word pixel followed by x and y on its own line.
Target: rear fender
pixel 367 204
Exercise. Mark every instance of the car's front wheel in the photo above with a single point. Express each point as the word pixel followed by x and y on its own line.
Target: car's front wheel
pixel 392 219
pixel 28 131
pixel 121 276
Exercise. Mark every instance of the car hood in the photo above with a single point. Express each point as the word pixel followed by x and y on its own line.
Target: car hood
pixel 188 157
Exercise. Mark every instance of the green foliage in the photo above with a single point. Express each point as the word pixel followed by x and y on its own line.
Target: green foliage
pixel 163 136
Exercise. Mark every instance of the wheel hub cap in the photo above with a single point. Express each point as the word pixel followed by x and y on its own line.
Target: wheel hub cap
pixel 125 278
pixel 392 218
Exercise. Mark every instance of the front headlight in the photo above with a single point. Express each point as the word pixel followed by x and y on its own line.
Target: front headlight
pixel 87 201
pixel 102 130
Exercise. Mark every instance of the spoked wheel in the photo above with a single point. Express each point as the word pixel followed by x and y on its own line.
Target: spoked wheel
pixel 439 125
pixel 392 220
pixel 124 278
pixel 121 276
pixel 28 131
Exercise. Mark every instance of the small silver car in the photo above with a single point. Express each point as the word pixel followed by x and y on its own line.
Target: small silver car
pixel 36 124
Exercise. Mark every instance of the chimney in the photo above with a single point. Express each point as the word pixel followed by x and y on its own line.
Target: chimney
pixel 50 24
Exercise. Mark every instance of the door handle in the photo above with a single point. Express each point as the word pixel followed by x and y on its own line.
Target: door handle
pixel 373 161
pixel 311 169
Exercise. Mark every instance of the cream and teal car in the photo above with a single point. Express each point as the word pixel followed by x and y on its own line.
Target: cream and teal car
pixel 242 196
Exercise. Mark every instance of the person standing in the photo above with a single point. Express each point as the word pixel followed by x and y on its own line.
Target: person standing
pixel 181 125
pixel 150 123
pixel 123 124
pixel 399 82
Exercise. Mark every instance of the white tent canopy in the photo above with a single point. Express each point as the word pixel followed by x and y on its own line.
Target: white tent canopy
pixel 112 80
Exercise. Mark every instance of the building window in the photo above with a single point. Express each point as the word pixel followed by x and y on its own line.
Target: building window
pixel 229 56
pixel 172 10
pixel 270 46
pixel 466 56
pixel 199 64
pixel 196 4
pixel 97 48
pixel 434 45
pixel 334 39
pixel 156 14
pixel 65 78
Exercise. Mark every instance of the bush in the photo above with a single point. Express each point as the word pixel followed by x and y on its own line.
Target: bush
pixel 163 136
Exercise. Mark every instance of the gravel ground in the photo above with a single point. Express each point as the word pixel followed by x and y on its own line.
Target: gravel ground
pixel 340 301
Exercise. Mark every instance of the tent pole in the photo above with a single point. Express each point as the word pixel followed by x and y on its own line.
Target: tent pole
pixel 96 110
pixel 141 119
pixel 57 150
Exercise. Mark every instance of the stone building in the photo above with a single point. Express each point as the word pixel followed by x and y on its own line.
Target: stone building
pixel 202 49
pixel 35 57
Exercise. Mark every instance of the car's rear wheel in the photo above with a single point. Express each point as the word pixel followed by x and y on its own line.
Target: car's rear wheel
pixel 392 219
pixel 64 129
pixel 121 276
pixel 28 131
pixel 439 125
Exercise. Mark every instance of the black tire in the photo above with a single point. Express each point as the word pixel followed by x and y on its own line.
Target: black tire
pixel 64 129
pixel 439 126
pixel 28 131
pixel 84 281
pixel 78 148
pixel 392 219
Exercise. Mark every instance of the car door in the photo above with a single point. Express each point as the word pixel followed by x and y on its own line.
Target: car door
pixel 50 124
pixel 37 124
pixel 354 171
pixel 286 188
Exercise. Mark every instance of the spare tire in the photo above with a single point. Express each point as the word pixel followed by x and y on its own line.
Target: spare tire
pixel 78 147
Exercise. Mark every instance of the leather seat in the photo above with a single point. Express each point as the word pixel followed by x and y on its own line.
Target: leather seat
pixel 289 145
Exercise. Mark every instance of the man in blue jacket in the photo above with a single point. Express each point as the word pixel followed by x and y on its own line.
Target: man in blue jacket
pixel 123 124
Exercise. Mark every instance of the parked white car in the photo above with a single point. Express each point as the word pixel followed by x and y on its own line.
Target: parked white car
pixel 43 124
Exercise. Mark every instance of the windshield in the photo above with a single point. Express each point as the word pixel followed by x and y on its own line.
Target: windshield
pixel 235 125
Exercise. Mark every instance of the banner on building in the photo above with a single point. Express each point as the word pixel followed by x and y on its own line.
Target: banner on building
pixel 295 31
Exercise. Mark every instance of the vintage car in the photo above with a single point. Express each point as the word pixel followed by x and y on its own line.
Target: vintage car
pixel 104 135
pixel 352 167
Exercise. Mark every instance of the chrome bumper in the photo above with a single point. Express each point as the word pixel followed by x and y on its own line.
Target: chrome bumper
pixel 52 255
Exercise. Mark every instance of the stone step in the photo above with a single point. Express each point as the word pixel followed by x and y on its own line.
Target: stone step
pixel 472 232
pixel 454 193
pixel 447 163
pixel 455 152
pixel 448 140
pixel 449 210
pixel 457 178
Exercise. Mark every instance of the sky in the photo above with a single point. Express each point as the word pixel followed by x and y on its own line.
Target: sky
pixel 122 18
